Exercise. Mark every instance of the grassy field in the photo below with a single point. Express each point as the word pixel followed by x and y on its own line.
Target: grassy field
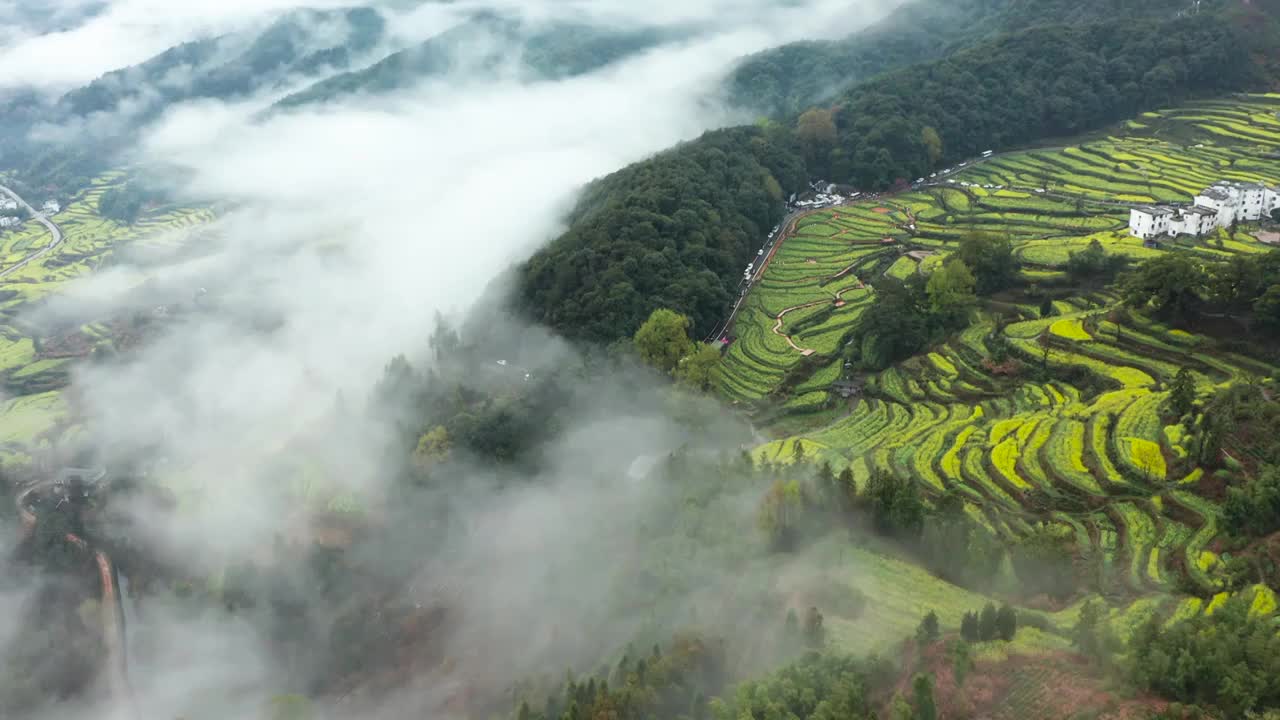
pixel 89 241
pixel 1094 458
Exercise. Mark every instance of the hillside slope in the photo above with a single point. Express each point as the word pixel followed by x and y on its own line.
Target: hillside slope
pixel 785 80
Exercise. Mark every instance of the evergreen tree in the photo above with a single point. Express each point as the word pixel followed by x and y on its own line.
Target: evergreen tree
pixel 961 660
pixel 969 627
pixel 1085 636
pixel 848 490
pixel 922 688
pixel 1006 623
pixel 987 623
pixel 1182 393
pixel 815 635
pixel 927 632
pixel 791 630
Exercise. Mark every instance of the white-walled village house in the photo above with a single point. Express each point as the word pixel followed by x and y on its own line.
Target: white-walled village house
pixel 1217 206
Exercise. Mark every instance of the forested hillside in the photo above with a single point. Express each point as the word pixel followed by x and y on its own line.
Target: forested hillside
pixel 1042 83
pixel 673 231
pixel 614 266
pixel 785 80
pixel 228 67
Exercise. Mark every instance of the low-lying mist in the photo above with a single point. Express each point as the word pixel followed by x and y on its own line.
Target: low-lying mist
pixel 344 232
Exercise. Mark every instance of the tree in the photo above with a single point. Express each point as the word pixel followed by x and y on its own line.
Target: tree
pixel 695 369
pixel 848 496
pixel 434 446
pixel 932 144
pixel 922 689
pixel 1182 393
pixel 961 660
pixel 816 130
pixel 1085 635
pixel 928 632
pixel 1253 510
pixel 815 635
pixel 987 623
pixel 1094 264
pixel 1006 622
pixel 950 291
pixel 969 627
pixel 1173 285
pixel 896 507
pixel 1266 310
pixel 663 339
pixel 991 259
pixel 779 513
pixel 1047 308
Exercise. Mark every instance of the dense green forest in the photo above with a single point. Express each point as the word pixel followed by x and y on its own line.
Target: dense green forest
pixel 1042 83
pixel 673 231
pixel 784 81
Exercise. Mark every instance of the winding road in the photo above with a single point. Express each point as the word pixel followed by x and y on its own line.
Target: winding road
pixel 54 231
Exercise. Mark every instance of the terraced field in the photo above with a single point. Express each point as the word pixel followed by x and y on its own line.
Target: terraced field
pixel 90 240
pixel 1091 455
pixel 1049 202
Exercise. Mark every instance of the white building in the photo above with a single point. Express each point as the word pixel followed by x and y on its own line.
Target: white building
pixel 1217 206
pixel 8 203
pixel 8 222
pixel 51 207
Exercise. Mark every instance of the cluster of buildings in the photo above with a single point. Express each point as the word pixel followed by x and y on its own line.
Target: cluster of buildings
pixel 8 204
pixel 1218 206
pixel 824 195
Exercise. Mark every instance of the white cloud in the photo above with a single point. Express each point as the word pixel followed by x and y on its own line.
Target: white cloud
pixel 126 33
pixel 350 227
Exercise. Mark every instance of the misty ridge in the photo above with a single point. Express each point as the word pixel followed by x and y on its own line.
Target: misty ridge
pixel 566 513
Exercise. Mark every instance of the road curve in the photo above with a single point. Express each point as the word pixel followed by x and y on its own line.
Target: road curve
pixel 54 231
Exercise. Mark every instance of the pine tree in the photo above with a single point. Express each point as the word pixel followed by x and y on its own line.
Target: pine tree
pixel 1182 394
pixel 969 627
pixel 922 688
pixel 1006 623
pixel 793 623
pixel 987 623
pixel 815 636
pixel 848 490
pixel 828 486
pixel 927 632
pixel 1084 636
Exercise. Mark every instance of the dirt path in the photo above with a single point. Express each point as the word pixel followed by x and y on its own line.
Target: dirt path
pixel 777 326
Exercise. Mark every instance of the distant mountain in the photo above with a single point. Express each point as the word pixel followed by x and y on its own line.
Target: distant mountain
pixel 484 43
pixel 790 78
pixel 299 45
pixel 302 43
